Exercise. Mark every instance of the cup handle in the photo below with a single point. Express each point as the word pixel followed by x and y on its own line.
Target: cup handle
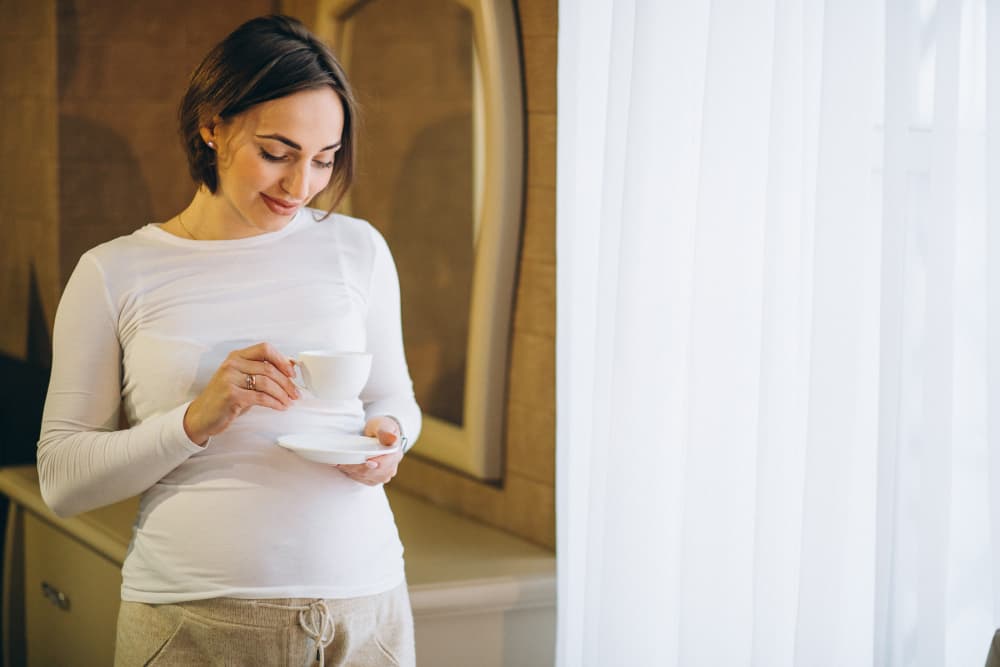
pixel 298 380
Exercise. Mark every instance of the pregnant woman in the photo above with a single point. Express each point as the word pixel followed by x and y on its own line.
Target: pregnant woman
pixel 242 553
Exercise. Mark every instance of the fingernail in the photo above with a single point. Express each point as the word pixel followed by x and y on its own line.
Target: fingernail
pixel 372 464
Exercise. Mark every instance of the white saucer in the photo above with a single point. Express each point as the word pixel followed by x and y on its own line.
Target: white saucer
pixel 335 449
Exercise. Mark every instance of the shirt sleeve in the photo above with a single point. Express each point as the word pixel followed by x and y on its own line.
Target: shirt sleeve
pixel 389 390
pixel 84 462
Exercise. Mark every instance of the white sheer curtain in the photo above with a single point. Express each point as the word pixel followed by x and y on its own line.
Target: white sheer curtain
pixel 778 358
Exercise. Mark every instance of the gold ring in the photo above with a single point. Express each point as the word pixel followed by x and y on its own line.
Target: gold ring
pixel 251 382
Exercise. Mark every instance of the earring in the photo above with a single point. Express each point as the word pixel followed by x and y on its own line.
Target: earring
pixel 211 144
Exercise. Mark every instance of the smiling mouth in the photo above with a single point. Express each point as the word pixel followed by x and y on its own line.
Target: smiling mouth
pixel 279 206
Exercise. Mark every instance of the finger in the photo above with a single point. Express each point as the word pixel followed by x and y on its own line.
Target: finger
pixel 241 367
pixel 272 371
pixel 264 369
pixel 383 461
pixel 365 470
pixel 265 385
pixel 257 384
pixel 267 352
pixel 261 398
pixel 236 369
pixel 396 455
pixel 381 423
pixel 365 476
pixel 383 472
pixel 387 438
pixel 357 476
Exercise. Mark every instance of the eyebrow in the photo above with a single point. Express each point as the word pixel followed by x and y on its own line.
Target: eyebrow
pixel 291 144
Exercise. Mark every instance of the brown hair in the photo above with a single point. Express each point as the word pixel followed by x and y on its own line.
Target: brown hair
pixel 264 59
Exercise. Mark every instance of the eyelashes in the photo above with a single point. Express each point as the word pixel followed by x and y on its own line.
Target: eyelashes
pixel 282 158
pixel 271 158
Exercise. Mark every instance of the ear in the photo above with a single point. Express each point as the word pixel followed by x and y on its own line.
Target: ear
pixel 207 134
pixel 208 131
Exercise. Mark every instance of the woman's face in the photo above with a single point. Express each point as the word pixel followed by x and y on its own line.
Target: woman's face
pixel 275 157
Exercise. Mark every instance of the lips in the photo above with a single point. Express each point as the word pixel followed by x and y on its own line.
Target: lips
pixel 279 206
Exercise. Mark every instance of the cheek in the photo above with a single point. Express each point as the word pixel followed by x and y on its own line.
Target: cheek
pixel 260 175
pixel 248 172
pixel 320 180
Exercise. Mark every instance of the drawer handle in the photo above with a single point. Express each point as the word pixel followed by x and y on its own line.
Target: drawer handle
pixel 55 596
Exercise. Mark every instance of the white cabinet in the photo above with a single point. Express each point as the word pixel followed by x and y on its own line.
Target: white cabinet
pixel 70 599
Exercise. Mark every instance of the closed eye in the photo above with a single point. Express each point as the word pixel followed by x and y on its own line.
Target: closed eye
pixel 272 158
pixel 284 158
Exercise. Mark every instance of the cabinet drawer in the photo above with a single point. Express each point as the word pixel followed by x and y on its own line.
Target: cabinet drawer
pixel 71 599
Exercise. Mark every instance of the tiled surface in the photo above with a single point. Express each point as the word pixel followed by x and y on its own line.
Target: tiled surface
pixel 539 73
pixel 536 298
pixel 538 17
pixel 539 235
pixel 542 149
pixel 532 371
pixel 530 431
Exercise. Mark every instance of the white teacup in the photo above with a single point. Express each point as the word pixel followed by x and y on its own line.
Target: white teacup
pixel 334 375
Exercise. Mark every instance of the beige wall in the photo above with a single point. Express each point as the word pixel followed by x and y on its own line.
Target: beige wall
pixel 91 152
pixel 525 503
pixel 87 125
pixel 29 194
pixel 123 67
pixel 415 177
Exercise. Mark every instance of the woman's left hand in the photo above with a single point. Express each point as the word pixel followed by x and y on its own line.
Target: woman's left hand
pixel 378 469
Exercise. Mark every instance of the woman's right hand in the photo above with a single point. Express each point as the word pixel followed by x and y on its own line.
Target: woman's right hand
pixel 226 395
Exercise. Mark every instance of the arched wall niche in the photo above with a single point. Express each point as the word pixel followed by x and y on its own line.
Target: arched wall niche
pixel 442 176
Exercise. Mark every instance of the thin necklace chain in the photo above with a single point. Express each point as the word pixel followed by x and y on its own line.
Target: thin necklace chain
pixel 180 220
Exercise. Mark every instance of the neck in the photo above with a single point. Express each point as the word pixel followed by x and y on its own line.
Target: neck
pixel 213 218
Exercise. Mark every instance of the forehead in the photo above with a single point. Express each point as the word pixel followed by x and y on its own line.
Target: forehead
pixel 311 118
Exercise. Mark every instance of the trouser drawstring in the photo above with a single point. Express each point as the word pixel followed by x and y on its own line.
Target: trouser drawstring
pixel 315 620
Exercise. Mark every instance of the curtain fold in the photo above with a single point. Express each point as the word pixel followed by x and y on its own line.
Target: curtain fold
pixel 900 88
pixel 992 122
pixel 776 285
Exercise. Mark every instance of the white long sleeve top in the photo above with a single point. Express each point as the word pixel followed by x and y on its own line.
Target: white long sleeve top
pixel 144 322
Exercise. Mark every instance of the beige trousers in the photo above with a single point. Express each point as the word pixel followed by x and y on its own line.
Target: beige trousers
pixel 370 631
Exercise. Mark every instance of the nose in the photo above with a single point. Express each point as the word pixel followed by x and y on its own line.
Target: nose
pixel 296 182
